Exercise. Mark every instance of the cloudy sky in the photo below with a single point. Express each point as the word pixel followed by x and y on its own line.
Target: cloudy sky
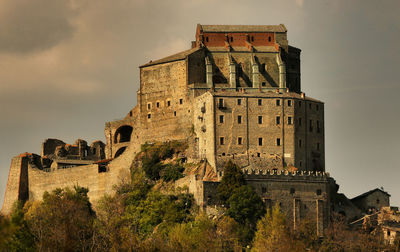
pixel 68 66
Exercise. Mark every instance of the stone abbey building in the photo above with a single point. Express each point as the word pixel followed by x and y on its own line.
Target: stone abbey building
pixel 234 95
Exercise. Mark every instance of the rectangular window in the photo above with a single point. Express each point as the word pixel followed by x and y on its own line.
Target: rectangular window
pixel 289 103
pixel 221 103
pixel 299 120
pixel 300 143
pixel 317 146
pixel 148 115
pixel 180 101
pixel 239 141
pixel 258 154
pixel 316 107
pixel 310 106
pixel 260 141
pixel 318 128
pixel 278 102
pixel 221 140
pixel 310 128
pixel 221 119
pixel 158 104
pixel 239 101
pixel 289 120
pixel 299 104
pixel 278 142
pixel 260 120
pixel 239 119
pixel 168 103
pixel 259 102
pixel 263 83
pixel 278 120
pixel 174 113
pixel 148 105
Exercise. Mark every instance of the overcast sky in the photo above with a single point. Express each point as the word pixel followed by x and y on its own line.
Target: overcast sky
pixel 67 67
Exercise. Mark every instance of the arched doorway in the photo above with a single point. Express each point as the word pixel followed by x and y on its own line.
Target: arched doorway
pixel 123 134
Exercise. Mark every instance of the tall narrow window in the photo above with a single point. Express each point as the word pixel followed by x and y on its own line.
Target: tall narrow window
pixel 278 120
pixel 168 103
pixel 278 142
pixel 239 101
pixel 260 120
pixel 206 39
pixel 221 119
pixel 148 105
pixel 299 120
pixel 239 141
pixel 310 105
pixel 252 38
pixel 299 143
pixel 318 127
pixel 289 103
pixel 317 146
pixel 231 39
pixel 180 101
pixel 148 116
pixel 158 104
pixel 316 107
pixel 221 140
pixel 239 119
pixel 278 102
pixel 259 102
pixel 269 39
pixel 310 126
pixel 260 141
pixel 289 120
pixel 221 103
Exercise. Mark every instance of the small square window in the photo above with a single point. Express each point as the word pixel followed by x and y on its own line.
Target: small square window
pixel 289 120
pixel 168 103
pixel 221 119
pixel 260 119
pixel 289 103
pixel 260 141
pixel 278 142
pixel 239 101
pixel 180 101
pixel 239 119
pixel 278 120
pixel 221 140
pixel 278 102
pixel 259 102
pixel 148 116
pixel 264 84
pixel 239 141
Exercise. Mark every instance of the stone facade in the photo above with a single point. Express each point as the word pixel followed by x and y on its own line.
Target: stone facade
pixel 235 94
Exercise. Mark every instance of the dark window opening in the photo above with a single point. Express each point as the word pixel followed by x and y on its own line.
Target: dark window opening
pixel 310 128
pixel 300 163
pixel 119 152
pixel 221 141
pixel 292 190
pixel 319 192
pixel 220 103
pixel 263 84
pixel 260 141
pixel 223 154
pixel 289 120
pixel 316 107
pixel 252 38
pixel 299 120
pixel 310 105
pixel 258 154
pixel 239 141
pixel 221 119
pixel 148 116
pixel 123 134
pixel 158 104
pixel 102 168
pixel 148 105
pixel 174 113
pixel 260 119
pixel 206 39
pixel 231 39
pixel 317 146
pixel 278 102
pixel 278 120
pixel 318 127
pixel 300 143
pixel 239 101
pixel 289 103
pixel 278 142
pixel 180 101
pixel 130 113
pixel 168 103
pixel 259 102
pixel 239 119
pixel 377 201
pixel 269 39
pixel 263 189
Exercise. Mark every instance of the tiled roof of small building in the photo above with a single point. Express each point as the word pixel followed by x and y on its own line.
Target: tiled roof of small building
pixel 243 28
pixel 368 193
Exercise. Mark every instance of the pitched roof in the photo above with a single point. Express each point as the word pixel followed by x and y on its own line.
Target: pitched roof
pixel 368 193
pixel 178 56
pixel 243 28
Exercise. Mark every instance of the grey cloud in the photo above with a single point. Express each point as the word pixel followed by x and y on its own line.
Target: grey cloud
pixel 28 26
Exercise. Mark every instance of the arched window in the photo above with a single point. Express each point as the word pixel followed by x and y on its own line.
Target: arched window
pixel 119 152
pixel 123 134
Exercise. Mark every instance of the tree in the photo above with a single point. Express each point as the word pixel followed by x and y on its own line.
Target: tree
pixel 233 178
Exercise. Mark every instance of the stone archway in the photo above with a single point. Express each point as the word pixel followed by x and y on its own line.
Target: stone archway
pixel 123 134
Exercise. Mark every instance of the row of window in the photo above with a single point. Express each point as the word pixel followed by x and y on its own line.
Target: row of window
pixel 260 102
pixel 251 39
pixel 240 141
pixel 260 120
pixel 292 191
pixel 158 104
